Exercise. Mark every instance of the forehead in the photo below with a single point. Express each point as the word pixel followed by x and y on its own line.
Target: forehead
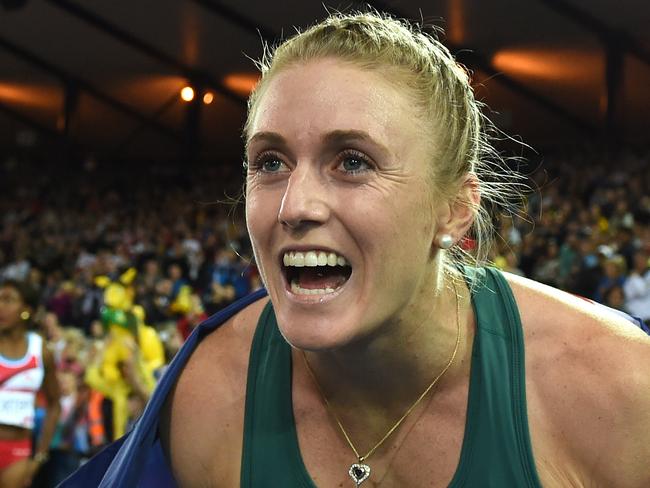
pixel 326 95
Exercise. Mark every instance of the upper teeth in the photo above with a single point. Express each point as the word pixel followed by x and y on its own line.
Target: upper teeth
pixel 313 258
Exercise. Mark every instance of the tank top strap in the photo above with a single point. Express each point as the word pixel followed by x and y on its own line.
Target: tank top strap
pixel 270 454
pixel 35 345
pixel 34 349
pixel 496 448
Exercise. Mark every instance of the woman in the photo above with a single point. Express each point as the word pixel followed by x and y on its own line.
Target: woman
pixel 26 366
pixel 380 358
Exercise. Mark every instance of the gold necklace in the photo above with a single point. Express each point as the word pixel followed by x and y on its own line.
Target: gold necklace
pixel 360 471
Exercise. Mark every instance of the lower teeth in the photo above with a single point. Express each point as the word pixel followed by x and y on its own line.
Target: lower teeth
pixel 295 288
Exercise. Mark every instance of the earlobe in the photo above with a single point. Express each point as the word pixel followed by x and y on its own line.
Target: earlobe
pixel 462 212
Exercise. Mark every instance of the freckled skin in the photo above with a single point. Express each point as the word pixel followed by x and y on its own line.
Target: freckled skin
pixel 363 216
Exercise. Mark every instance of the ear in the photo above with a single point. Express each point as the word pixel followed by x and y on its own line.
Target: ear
pixel 461 210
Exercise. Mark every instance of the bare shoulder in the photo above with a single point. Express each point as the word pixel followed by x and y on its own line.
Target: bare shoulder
pixel 588 384
pixel 202 422
pixel 224 351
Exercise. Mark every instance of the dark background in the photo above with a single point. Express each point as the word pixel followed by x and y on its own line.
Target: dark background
pixel 98 81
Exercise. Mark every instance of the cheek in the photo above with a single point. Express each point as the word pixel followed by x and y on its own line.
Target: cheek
pixel 261 220
pixel 259 214
pixel 397 230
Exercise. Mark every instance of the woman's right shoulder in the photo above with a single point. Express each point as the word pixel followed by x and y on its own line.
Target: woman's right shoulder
pixel 226 349
pixel 222 354
pixel 204 413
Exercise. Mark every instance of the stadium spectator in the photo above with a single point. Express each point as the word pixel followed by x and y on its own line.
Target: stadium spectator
pixel 26 368
pixel 637 287
pixel 613 275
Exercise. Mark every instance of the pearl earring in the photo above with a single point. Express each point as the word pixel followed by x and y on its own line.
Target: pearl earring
pixel 24 315
pixel 445 241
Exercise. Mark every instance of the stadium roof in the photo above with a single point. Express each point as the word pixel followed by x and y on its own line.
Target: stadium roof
pixel 106 75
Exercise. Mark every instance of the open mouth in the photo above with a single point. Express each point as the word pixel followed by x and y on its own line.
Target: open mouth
pixel 315 272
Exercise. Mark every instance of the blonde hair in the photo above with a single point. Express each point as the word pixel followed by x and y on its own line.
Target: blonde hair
pixel 439 87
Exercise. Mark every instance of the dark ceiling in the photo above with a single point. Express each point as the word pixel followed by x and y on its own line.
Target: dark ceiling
pixel 105 75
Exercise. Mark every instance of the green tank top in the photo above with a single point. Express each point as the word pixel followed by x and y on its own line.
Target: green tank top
pixel 496 450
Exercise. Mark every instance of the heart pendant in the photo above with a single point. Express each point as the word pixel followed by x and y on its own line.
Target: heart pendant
pixel 359 473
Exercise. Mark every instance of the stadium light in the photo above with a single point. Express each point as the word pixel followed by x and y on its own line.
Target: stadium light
pixel 187 94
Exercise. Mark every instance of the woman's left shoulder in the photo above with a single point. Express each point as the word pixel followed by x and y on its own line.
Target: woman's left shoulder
pixel 558 315
pixel 588 374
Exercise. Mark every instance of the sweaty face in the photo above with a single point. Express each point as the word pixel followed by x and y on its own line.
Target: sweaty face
pixel 339 206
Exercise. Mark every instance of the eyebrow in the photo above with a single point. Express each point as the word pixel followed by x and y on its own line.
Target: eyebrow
pixel 338 136
pixel 270 137
pixel 333 137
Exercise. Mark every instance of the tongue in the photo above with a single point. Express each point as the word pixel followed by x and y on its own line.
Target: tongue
pixel 321 278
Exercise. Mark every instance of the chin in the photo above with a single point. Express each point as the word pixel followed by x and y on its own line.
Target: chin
pixel 320 333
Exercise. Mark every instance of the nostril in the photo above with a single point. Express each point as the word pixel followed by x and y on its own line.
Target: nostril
pixel 299 225
pixel 287 223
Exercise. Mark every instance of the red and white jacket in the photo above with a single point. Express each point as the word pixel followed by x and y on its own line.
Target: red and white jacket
pixel 20 380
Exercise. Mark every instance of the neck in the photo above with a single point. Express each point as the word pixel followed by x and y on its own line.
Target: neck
pixel 387 371
pixel 13 333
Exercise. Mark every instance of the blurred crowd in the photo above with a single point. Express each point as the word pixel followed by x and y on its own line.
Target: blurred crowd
pixel 70 231
pixel 585 229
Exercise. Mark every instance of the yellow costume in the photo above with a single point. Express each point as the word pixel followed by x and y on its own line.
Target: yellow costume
pixel 132 353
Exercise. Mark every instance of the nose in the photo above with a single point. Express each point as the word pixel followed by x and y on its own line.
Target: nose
pixel 304 203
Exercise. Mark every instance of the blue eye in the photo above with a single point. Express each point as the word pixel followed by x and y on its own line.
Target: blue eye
pixel 354 163
pixel 272 165
pixel 268 163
